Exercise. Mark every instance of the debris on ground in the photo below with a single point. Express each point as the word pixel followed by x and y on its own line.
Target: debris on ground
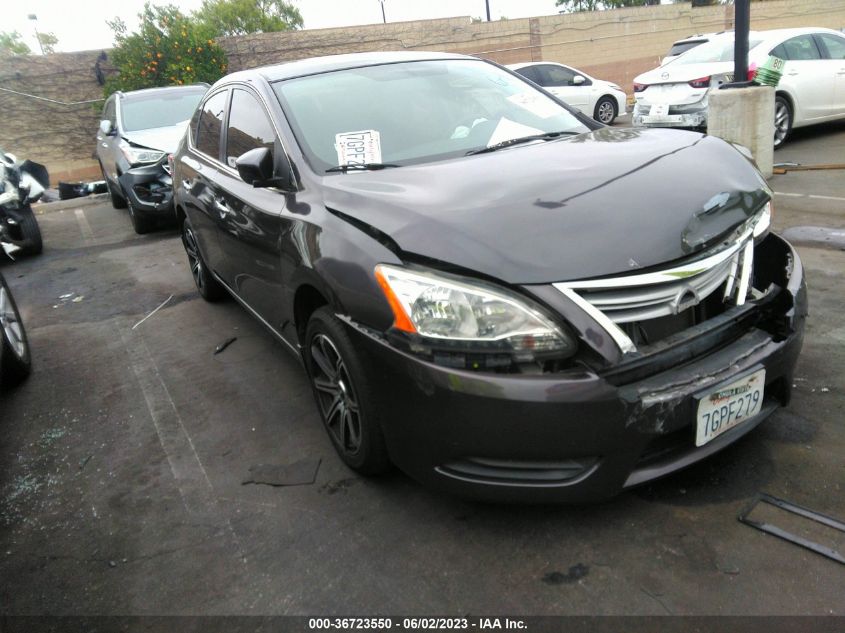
pixel 794 509
pixel 224 345
pixel 70 190
pixel 163 303
pixel 302 472
pixel 575 573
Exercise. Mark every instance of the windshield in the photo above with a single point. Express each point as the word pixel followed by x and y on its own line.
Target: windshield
pixel 721 50
pixel 414 112
pixel 159 109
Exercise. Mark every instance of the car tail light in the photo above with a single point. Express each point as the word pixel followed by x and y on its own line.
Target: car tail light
pixel 752 71
pixel 639 87
pixel 702 82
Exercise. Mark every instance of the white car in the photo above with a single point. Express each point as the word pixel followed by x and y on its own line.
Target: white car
pixel 599 99
pixel 811 90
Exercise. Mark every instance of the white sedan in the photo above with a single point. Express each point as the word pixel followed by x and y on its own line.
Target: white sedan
pixel 811 90
pixel 602 100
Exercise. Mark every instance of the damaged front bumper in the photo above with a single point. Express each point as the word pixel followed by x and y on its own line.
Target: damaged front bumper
pixel 583 435
pixel 149 189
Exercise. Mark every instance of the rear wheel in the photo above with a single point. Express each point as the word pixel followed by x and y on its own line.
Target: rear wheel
pixel 118 200
pixel 15 360
pixel 606 110
pixel 208 287
pixel 31 232
pixel 783 120
pixel 346 398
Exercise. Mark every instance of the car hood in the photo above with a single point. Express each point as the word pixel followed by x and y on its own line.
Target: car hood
pixel 675 72
pixel 163 139
pixel 610 201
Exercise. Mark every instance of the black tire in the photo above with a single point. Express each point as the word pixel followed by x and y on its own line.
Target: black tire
pixel 15 358
pixel 783 120
pixel 140 222
pixel 208 287
pixel 346 398
pixel 606 110
pixel 31 232
pixel 118 200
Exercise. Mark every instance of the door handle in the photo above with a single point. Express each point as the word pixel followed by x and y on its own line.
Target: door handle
pixel 792 72
pixel 222 208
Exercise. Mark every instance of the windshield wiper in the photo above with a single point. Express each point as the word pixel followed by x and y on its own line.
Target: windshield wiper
pixel 522 139
pixel 361 166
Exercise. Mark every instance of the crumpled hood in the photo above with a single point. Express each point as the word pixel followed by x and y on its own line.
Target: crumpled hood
pixel 601 203
pixel 163 139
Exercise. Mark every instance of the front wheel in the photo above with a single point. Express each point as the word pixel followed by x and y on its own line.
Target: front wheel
pixel 30 232
pixel 783 120
pixel 345 396
pixel 15 360
pixel 141 223
pixel 606 110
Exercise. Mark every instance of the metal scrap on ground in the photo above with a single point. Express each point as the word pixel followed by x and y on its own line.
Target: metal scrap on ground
pixel 298 473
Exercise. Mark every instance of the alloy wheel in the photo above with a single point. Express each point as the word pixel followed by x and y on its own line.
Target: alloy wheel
pixel 335 394
pixel 11 325
pixel 606 112
pixel 194 260
pixel 781 122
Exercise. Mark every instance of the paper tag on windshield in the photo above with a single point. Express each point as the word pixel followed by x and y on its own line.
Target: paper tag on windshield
pixel 536 104
pixel 507 130
pixel 358 148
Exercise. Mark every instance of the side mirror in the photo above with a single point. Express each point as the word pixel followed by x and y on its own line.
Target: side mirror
pixel 256 168
pixel 577 80
pixel 105 127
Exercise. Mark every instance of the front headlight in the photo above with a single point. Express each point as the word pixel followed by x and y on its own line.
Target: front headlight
pixel 137 155
pixel 763 219
pixel 475 317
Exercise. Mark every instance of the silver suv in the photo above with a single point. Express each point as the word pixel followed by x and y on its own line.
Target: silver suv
pixel 139 130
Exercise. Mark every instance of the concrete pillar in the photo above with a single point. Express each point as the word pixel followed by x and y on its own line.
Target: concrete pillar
pixel 745 116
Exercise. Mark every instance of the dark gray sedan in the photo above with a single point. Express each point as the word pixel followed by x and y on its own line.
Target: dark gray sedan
pixel 488 289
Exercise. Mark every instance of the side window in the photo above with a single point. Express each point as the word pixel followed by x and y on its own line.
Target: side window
pixel 802 47
pixel 530 73
pixel 211 125
pixel 249 127
pixel 779 51
pixel 109 111
pixel 557 76
pixel 834 46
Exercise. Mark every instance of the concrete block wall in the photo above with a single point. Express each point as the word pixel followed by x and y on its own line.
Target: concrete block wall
pixel 614 45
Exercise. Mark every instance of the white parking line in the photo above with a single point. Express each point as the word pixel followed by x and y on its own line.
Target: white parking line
pixel 808 195
pixel 84 227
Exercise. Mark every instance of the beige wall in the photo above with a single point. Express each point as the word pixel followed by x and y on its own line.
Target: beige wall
pixel 614 45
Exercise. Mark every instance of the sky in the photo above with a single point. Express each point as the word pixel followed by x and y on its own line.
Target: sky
pixel 81 24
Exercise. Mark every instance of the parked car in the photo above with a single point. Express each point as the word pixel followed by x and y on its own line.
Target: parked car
pixel 688 43
pixel 15 359
pixel 487 288
pixel 602 100
pixel 811 90
pixel 21 184
pixel 138 132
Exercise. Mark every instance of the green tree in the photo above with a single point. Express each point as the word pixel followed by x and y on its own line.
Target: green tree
pixel 48 42
pixel 12 44
pixel 169 48
pixel 571 6
pixel 239 17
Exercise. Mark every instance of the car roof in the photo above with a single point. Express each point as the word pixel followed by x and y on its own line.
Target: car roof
pixel 329 63
pixel 148 92
pixel 526 64
pixel 700 37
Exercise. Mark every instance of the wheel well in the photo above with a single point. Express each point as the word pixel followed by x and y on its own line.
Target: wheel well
pixel 612 100
pixel 306 301
pixel 788 99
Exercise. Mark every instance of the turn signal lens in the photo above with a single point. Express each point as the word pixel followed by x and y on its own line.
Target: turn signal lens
pixel 639 87
pixel 447 309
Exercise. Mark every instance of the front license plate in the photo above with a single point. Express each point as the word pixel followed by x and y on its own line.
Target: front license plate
pixel 729 405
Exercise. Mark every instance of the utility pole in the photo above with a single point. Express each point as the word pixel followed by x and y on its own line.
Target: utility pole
pixel 34 19
pixel 383 18
pixel 487 5
pixel 742 24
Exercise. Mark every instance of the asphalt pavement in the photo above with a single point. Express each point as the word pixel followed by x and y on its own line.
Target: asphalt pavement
pixel 122 460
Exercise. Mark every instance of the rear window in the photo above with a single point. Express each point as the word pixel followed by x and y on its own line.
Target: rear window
pixel 721 50
pixel 142 112
pixel 683 47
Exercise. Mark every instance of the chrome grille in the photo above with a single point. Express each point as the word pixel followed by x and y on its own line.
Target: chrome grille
pixel 639 297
